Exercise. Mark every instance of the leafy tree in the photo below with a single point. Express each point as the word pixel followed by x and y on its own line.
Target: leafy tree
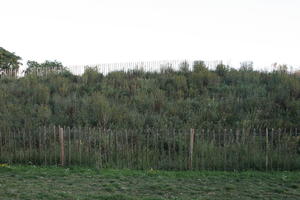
pixel 184 67
pixel 222 69
pixel 199 66
pixel 8 60
pixel 45 67
pixel 246 66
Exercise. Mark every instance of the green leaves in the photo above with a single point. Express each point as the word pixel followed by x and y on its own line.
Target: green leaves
pixel 44 68
pixel 9 60
pixel 201 98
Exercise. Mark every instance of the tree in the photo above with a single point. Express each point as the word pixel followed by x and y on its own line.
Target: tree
pixel 246 66
pixel 222 69
pixel 42 68
pixel 8 60
pixel 199 66
pixel 184 67
pixel 280 68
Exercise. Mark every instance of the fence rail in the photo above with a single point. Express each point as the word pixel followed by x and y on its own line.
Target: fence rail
pixel 239 149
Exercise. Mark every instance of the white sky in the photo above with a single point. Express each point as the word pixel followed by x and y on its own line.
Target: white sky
pixel 79 32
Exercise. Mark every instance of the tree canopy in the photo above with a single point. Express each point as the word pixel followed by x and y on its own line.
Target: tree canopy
pixel 49 66
pixel 9 60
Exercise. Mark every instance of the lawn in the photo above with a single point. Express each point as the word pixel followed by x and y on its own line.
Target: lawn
pixel 32 182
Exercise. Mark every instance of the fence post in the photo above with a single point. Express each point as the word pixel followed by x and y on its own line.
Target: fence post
pixel 54 144
pixel 267 148
pixel 69 145
pixel 1 146
pixel 45 146
pixel 62 148
pixel 192 135
pixel 40 156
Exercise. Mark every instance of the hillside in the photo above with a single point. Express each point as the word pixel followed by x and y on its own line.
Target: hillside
pixel 200 98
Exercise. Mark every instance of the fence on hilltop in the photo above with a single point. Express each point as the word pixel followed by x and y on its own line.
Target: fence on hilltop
pixel 146 66
pixel 105 68
pixel 231 149
pixel 14 73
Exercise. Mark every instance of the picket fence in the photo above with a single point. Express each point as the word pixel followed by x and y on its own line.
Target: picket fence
pixel 194 149
pixel 106 68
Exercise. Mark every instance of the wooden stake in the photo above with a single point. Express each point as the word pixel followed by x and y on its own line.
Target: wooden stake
pixel 192 135
pixel 45 147
pixel 62 148
pixel 1 145
pixel 54 144
pixel 69 145
pixel 267 149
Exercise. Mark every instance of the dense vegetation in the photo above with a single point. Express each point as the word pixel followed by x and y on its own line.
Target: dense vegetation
pixel 199 98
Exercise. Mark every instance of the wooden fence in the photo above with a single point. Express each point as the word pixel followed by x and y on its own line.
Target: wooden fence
pixel 238 149
pixel 106 68
pixel 12 73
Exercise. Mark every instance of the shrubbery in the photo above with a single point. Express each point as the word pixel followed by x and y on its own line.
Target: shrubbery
pixel 200 98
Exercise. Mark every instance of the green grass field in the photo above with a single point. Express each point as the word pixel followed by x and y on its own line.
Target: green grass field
pixel 30 182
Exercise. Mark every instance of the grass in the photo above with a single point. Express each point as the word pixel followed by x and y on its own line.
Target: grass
pixel 31 182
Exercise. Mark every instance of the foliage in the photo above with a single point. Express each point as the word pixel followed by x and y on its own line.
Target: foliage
pixel 45 67
pixel 198 98
pixel 9 60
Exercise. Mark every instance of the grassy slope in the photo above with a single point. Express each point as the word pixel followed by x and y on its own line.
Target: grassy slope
pixel 29 182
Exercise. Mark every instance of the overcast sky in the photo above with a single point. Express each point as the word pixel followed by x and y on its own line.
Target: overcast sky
pixel 99 31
